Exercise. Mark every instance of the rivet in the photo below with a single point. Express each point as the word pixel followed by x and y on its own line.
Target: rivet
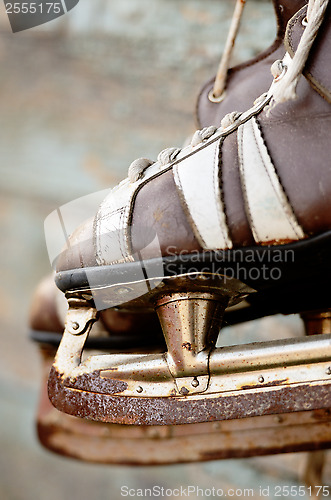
pixel 195 382
pixel 75 325
pixel 328 370
pixel 140 389
pixel 261 379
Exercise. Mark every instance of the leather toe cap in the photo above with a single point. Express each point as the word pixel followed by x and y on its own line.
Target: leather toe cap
pixel 80 250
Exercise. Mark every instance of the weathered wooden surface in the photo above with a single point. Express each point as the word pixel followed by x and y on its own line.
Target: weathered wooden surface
pixel 79 100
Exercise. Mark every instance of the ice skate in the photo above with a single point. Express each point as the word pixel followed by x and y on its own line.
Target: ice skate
pixel 255 76
pixel 253 192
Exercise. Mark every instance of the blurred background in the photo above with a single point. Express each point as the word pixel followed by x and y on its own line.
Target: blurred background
pixel 80 98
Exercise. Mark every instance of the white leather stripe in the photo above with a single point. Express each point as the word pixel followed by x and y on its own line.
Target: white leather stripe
pixel 110 225
pixel 112 232
pixel 197 179
pixel 270 214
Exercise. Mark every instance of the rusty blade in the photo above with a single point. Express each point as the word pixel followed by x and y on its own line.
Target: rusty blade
pixel 92 397
pixel 145 445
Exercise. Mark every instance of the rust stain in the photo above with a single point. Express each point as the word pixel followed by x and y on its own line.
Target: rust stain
pixel 187 345
pixel 184 391
pixel 158 215
pixel 99 442
pixel 92 382
pixel 269 384
pixel 103 405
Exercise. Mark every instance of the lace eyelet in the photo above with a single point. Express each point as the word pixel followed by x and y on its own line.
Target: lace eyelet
pixel 304 21
pixel 212 98
pixel 279 77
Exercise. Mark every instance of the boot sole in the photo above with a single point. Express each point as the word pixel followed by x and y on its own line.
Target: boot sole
pixel 288 278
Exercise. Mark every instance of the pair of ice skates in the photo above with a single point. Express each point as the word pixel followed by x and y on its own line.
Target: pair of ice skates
pixel 241 214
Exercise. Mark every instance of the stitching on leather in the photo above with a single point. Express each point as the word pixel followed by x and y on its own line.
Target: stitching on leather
pixel 95 235
pixel 317 116
pixel 319 87
pixel 219 192
pixel 240 141
pixel 109 215
pixel 259 152
pixel 278 178
pixel 288 39
pixel 294 23
pixel 119 234
pixel 315 83
pixel 123 234
pixel 127 230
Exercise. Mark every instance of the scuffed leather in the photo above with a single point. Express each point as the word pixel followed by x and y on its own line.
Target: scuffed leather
pixel 81 250
pixel 158 208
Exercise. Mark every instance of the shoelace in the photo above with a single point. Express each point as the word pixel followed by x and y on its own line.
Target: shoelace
pixel 217 93
pixel 138 167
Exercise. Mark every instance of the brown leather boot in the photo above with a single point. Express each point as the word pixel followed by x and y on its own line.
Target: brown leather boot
pixel 243 211
pixel 247 80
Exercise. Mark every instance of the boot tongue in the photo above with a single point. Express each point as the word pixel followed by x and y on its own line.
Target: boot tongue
pixel 317 69
pixel 285 9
